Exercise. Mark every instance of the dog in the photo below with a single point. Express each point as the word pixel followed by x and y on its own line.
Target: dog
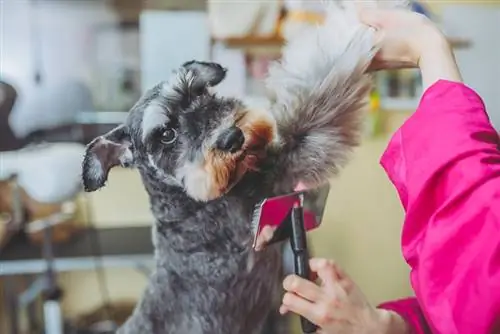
pixel 206 161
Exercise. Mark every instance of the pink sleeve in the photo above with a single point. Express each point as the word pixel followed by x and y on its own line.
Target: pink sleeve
pixel 410 311
pixel 445 164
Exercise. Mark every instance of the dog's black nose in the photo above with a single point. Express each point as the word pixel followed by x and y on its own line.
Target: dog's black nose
pixel 230 140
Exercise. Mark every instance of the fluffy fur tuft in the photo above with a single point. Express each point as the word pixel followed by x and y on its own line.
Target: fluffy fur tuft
pixel 320 90
pixel 206 161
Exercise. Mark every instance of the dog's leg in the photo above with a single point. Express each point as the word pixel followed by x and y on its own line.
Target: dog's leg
pixel 150 315
pixel 137 322
pixel 321 88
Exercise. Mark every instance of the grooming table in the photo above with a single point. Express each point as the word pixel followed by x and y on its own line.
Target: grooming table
pixel 89 250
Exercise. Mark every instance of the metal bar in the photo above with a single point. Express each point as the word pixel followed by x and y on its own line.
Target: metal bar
pixel 8 268
pixel 13 307
pixel 33 291
pixel 53 319
pixel 28 300
pixel 48 256
pixel 144 269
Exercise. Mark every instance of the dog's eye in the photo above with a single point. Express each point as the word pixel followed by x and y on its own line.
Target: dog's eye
pixel 168 136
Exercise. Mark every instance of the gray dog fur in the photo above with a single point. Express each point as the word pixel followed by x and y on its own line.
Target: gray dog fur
pixel 206 160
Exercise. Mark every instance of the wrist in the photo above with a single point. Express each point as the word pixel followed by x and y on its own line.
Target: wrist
pixel 388 322
pixel 437 61
pixel 430 40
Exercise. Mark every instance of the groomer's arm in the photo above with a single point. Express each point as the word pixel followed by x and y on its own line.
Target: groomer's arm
pixel 445 164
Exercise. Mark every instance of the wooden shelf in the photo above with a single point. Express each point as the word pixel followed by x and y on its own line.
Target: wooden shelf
pixel 251 41
pixel 278 41
pixel 459 43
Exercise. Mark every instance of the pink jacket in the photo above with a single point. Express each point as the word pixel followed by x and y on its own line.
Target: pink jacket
pixel 445 164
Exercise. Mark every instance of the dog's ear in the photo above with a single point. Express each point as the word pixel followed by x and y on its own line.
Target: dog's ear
pixel 205 74
pixel 104 153
pixel 190 81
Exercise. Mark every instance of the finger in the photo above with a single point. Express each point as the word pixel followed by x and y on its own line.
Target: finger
pixel 300 187
pixel 300 306
pixel 327 270
pixel 370 16
pixel 377 65
pixel 264 236
pixel 333 277
pixel 322 266
pixel 313 276
pixel 302 287
pixel 283 310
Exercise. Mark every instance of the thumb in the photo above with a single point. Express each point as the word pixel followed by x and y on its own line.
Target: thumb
pixel 371 16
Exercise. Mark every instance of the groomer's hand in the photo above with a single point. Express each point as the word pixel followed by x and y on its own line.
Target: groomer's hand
pixel 409 40
pixel 403 36
pixel 336 305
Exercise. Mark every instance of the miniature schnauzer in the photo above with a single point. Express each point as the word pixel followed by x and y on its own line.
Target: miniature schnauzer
pixel 207 160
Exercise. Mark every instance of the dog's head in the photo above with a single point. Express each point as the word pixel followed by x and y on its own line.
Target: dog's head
pixel 185 135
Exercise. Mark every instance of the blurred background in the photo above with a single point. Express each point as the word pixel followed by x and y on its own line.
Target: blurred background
pixel 70 70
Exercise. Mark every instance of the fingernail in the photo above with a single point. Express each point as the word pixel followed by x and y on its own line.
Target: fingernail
pixel 300 187
pixel 286 282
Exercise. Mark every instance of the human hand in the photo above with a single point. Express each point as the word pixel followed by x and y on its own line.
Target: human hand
pixel 337 305
pixel 264 236
pixel 409 40
pixel 403 36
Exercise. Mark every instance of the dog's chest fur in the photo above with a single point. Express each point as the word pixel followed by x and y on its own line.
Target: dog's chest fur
pixel 207 276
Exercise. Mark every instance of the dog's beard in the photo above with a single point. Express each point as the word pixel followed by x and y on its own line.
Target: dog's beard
pixel 219 171
pixel 216 175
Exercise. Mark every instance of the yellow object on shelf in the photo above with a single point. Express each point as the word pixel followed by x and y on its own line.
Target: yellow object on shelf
pixel 374 101
pixel 374 121
pixel 305 16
